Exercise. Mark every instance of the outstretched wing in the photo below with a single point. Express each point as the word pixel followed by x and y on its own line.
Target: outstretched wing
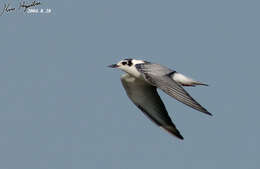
pixel 160 77
pixel 146 98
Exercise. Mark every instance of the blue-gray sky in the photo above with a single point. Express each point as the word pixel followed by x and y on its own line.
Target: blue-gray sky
pixel 62 108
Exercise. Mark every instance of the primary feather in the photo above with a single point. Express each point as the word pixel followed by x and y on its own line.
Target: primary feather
pixel 160 77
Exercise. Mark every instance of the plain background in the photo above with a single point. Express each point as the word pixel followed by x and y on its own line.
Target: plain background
pixel 62 108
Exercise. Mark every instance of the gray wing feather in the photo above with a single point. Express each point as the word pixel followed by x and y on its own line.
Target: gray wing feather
pixel 159 76
pixel 146 98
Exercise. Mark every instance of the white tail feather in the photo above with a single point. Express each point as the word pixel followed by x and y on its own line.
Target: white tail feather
pixel 186 81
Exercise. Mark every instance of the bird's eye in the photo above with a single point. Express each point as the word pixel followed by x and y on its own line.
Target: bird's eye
pixel 124 63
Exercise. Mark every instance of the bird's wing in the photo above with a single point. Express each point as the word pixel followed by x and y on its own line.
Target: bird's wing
pixel 160 77
pixel 146 98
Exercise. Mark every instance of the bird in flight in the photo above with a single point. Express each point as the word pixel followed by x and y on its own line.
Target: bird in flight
pixel 141 81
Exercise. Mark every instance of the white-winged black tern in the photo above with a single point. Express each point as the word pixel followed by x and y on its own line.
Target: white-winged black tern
pixel 141 81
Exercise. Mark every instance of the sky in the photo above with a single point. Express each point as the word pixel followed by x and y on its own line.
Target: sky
pixel 61 107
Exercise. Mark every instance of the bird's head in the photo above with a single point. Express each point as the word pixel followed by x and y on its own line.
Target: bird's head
pixel 128 65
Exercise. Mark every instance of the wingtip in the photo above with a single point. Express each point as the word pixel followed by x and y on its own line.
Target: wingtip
pixel 181 137
pixel 208 113
pixel 205 111
pixel 203 84
pixel 175 132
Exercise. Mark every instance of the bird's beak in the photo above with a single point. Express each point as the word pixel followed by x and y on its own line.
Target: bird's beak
pixel 113 66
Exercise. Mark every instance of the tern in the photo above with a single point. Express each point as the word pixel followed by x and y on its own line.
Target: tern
pixel 141 81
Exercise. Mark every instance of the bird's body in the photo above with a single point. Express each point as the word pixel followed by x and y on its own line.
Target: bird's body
pixel 141 80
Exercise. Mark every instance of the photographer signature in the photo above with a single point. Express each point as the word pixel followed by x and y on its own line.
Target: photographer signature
pixel 23 4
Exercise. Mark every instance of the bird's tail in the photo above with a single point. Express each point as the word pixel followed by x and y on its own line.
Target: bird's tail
pixel 186 81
